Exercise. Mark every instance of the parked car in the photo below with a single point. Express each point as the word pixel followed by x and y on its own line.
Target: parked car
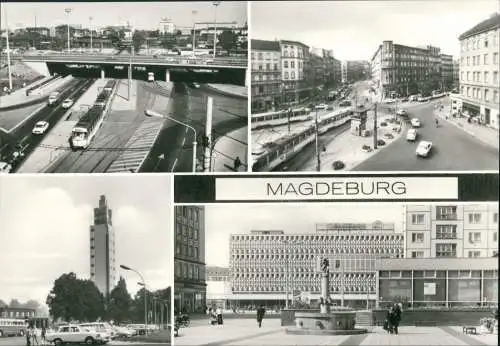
pixel 122 331
pixel 323 106
pixel 40 128
pixel 5 167
pixel 415 122
pixel 411 135
pixel 423 149
pixel 401 112
pixel 72 334
pixel 67 103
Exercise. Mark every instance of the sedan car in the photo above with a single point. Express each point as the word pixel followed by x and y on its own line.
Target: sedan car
pixel 423 149
pixel 415 122
pixel 5 167
pixel 40 128
pixel 323 106
pixel 67 103
pixel 411 135
pixel 401 112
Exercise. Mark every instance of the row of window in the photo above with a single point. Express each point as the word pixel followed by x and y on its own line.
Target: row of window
pixel 267 90
pixel 476 60
pixel 235 249
pixel 325 251
pixel 438 273
pixel 188 271
pixel 304 275
pixel 450 232
pixel 191 213
pixel 447 213
pixel 317 238
pixel 333 289
pixel 187 231
pixel 266 55
pixel 271 77
pixel 476 76
pixel 479 42
pixel 479 94
pixel 187 250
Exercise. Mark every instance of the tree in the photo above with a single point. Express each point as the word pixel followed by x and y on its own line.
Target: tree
pixel 119 306
pixel 168 41
pixel 31 304
pixel 14 303
pixel 138 40
pixel 116 38
pixel 137 312
pixel 228 40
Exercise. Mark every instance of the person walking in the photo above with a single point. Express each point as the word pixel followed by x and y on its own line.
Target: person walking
pixel 34 336
pixel 28 336
pixel 218 312
pixel 44 335
pixel 260 315
pixel 397 317
pixel 237 163
pixel 389 319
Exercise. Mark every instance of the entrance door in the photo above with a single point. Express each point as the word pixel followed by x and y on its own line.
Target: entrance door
pixel 487 116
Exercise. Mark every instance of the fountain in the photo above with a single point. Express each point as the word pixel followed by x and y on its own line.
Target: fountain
pixel 329 320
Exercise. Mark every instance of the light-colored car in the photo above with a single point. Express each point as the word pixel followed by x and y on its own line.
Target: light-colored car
pixel 411 135
pixel 103 328
pixel 67 103
pixel 323 106
pixel 72 334
pixel 423 149
pixel 196 85
pixel 401 112
pixel 415 122
pixel 40 128
pixel 5 167
pixel 121 331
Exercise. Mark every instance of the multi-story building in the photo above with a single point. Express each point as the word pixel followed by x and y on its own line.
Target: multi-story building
pixel 218 286
pixel 21 313
pixel 456 73
pixel 446 63
pixel 266 75
pixel 337 71
pixel 455 231
pixel 356 70
pixel 399 69
pixel 166 26
pixel 294 67
pixel 344 71
pixel 479 68
pixel 189 259
pixel 270 267
pixel 102 248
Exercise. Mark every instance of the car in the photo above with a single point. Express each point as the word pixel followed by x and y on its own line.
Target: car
pixel 67 103
pixel 323 106
pixel 345 104
pixel 415 122
pixel 196 85
pixel 40 128
pixel 76 335
pixel 423 148
pixel 411 135
pixel 401 112
pixel 122 331
pixel 5 167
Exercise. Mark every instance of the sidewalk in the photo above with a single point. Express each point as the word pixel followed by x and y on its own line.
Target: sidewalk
pixel 346 147
pixel 229 89
pixel 485 134
pixel 19 97
pixel 161 336
pixel 488 339
pixel 226 149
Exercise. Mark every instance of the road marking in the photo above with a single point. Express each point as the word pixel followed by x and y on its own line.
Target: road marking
pixel 173 166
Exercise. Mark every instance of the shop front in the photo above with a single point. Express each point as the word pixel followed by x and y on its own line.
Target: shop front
pixel 189 298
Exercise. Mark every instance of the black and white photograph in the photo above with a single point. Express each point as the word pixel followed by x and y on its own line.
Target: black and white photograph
pixel 85 260
pixel 108 87
pixel 375 86
pixel 336 274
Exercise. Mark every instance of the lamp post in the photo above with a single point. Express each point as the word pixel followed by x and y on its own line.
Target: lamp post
pixel 124 267
pixel 151 113
pixel 194 13
pixel 8 48
pixel 90 19
pixel 215 3
pixel 68 11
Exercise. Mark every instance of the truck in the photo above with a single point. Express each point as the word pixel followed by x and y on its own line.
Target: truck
pixel 53 98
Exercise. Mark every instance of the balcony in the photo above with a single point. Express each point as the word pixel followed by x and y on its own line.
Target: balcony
pixel 447 217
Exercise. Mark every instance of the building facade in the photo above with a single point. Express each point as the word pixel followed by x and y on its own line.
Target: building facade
pixel 270 267
pixel 479 68
pixel 218 287
pixel 447 63
pixel 189 259
pixel 166 27
pixel 401 70
pixel 443 282
pixel 456 231
pixel 21 313
pixel 356 70
pixel 294 67
pixel 102 248
pixel 456 74
pixel 266 75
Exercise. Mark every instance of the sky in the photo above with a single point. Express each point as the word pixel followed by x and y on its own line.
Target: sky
pixel 355 29
pixel 143 15
pixel 45 223
pixel 223 220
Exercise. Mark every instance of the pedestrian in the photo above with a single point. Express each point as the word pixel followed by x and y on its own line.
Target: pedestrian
pixel 218 312
pixel 389 319
pixel 397 317
pixel 28 337
pixel 260 315
pixel 237 163
pixel 44 334
pixel 34 336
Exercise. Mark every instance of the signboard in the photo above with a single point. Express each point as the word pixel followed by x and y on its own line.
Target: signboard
pixel 429 289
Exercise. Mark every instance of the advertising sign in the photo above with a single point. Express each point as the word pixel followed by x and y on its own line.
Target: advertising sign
pixel 429 289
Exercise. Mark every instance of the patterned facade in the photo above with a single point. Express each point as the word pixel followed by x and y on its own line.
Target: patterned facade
pixel 479 71
pixel 453 231
pixel 189 259
pixel 294 67
pixel 266 265
pixel 266 75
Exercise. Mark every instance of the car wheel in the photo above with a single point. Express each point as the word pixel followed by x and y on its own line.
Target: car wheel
pixel 89 341
pixel 58 342
pixel 1 333
pixel 21 332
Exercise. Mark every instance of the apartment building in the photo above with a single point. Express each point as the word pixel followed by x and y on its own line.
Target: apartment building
pixel 294 67
pixel 266 75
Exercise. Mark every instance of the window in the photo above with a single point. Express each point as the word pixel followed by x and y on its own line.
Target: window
pixel 485 59
pixel 495 58
pixel 417 219
pixel 446 231
pixel 292 64
pixel 474 217
pixel 286 75
pixel 462 75
pixel 486 75
pixel 261 89
pixel 468 61
pixel 446 250
pixel 468 76
pixel 293 75
pixel 495 237
pixel 495 77
pixel 447 212
pixel 285 64
pixel 495 217
pixel 474 254
pixel 474 237
pixel 417 254
pixel 417 237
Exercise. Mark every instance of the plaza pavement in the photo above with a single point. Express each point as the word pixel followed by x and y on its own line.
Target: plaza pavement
pixel 228 144
pixel 245 332
pixel 229 89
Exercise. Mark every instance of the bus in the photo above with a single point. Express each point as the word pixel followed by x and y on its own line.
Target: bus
pixel 12 327
pixel 151 77
pixel 86 128
pixel 38 322
pixel 282 117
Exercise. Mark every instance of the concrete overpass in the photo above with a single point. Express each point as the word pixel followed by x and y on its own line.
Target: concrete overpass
pixel 229 70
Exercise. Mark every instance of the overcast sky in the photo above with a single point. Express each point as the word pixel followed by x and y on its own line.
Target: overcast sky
pixel 223 220
pixel 144 15
pixel 44 230
pixel 355 29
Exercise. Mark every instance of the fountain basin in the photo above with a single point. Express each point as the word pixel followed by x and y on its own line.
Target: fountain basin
pixel 329 323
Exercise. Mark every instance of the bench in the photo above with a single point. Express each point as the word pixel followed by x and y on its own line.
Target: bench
pixel 469 330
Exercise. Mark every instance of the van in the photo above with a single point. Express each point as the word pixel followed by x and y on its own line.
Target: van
pixel 53 98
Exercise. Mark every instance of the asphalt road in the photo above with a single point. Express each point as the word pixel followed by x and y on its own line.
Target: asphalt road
pixel 453 148
pixel 21 341
pixel 22 136
pixel 189 106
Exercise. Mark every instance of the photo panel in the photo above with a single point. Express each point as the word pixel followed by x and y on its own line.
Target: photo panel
pixel 143 87
pixel 275 260
pixel 86 258
pixel 413 89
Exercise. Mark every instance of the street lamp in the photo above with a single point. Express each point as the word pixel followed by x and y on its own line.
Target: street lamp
pixel 68 11
pixel 151 113
pixel 90 19
pixel 215 3
pixel 124 267
pixel 194 32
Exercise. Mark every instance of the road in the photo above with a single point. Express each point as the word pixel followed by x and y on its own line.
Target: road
pixel 189 106
pixel 21 341
pixel 22 137
pixel 453 148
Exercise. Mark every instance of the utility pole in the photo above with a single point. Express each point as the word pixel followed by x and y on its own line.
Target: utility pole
pixel 8 49
pixel 318 158
pixel 68 11
pixel 90 19
pixel 375 126
pixel 215 3
pixel 288 117
pixel 208 135
pixel 194 30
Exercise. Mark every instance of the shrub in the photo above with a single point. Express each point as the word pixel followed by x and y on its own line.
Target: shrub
pixel 337 165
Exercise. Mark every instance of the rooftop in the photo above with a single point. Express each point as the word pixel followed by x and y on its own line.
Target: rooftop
pixel 265 45
pixel 491 23
pixel 294 42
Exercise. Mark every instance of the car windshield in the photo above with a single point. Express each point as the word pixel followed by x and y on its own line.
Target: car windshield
pixel 40 125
